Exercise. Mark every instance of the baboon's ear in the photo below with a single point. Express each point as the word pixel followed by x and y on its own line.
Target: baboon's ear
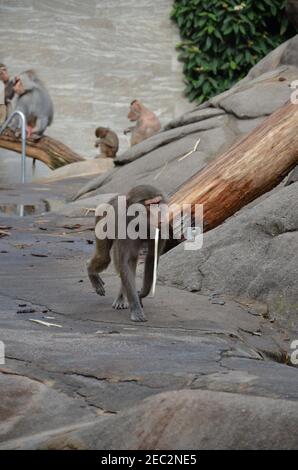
pixel 155 200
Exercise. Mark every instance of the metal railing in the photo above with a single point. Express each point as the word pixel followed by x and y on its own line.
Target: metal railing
pixel 23 122
pixel 23 161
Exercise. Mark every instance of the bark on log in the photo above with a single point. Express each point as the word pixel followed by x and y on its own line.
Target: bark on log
pixel 49 151
pixel 253 166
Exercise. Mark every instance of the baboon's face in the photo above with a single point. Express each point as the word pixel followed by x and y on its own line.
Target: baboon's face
pixel 101 132
pixel 4 77
pixel 134 111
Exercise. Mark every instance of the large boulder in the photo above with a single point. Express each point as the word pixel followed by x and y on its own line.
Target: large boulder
pixel 29 407
pixel 186 419
pixel 218 123
pixel 253 255
pixel 88 167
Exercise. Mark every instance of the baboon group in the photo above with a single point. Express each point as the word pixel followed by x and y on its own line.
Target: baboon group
pixel 27 93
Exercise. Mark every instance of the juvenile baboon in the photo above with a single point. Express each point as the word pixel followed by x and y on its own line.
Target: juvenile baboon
pixel 6 93
pixel 147 123
pixel 126 252
pixel 108 142
pixel 35 102
pixel 2 103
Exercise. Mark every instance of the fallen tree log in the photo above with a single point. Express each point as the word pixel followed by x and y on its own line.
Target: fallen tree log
pixel 49 151
pixel 250 168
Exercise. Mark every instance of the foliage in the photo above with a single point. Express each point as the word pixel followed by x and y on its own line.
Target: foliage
pixel 223 39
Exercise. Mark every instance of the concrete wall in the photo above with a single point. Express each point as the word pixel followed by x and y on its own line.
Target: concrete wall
pixel 95 56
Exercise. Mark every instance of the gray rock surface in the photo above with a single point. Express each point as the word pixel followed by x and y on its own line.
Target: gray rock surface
pixel 246 104
pixel 289 55
pixel 83 385
pixel 211 367
pixel 197 123
pixel 30 407
pixel 293 176
pixel 219 123
pixel 253 254
pixel 79 169
pixel 186 419
pixel 82 207
pixel 162 167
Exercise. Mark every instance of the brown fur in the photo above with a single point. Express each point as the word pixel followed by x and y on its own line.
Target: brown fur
pixel 125 257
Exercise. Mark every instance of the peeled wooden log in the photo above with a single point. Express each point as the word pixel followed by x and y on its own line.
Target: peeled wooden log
pixel 253 166
pixel 49 151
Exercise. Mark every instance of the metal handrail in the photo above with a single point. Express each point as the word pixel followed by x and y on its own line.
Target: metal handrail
pixel 23 121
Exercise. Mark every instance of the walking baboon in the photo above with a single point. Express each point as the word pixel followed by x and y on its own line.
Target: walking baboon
pixel 126 251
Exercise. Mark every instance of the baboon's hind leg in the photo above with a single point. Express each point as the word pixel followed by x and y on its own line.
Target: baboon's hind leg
pixel 97 264
pixel 120 302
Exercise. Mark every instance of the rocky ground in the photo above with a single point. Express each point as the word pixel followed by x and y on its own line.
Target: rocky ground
pixel 205 371
pixel 252 255
pixel 211 368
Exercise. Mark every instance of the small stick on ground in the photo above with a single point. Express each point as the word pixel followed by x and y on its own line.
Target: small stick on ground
pixel 191 152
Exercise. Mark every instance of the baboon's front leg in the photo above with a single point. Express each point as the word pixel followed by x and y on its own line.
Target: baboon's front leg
pixel 148 270
pixel 99 263
pixel 128 278
pixel 94 267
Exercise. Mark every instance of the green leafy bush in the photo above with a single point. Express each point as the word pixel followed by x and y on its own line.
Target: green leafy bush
pixel 223 39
